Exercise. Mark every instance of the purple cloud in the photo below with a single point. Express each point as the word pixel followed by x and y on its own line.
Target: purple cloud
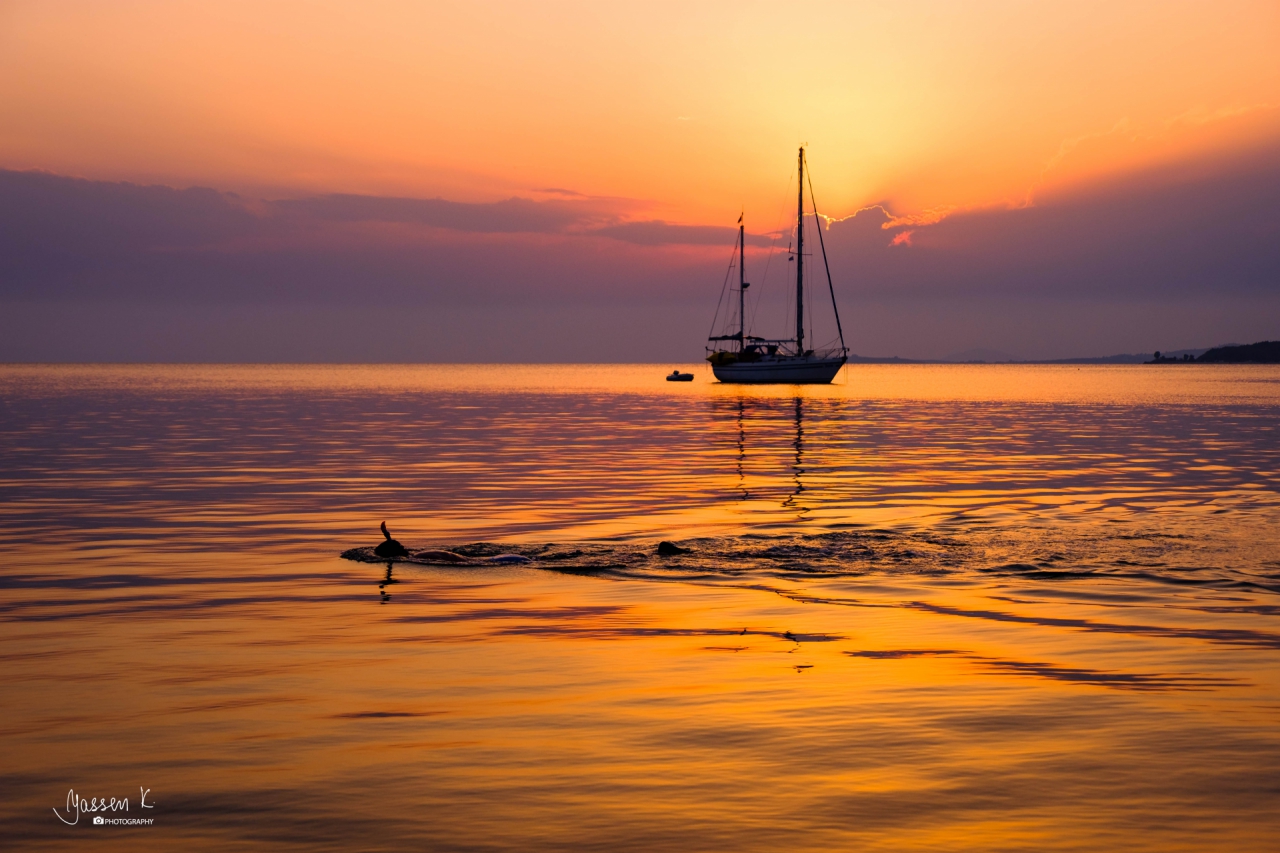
pixel 1206 233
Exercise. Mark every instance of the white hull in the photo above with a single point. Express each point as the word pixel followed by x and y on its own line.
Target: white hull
pixel 781 371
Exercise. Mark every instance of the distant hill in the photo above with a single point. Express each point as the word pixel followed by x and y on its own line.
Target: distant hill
pixel 1263 352
pixel 1129 358
pixel 868 359
pixel 982 356
pixel 1105 359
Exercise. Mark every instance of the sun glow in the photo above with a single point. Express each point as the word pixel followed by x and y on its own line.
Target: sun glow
pixel 692 110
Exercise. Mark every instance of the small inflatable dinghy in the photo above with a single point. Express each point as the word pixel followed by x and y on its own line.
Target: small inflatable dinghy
pixel 677 376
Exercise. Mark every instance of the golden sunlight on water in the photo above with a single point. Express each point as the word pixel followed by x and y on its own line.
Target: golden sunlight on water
pixel 934 608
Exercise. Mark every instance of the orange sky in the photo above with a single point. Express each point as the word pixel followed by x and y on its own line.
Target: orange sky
pixel 694 109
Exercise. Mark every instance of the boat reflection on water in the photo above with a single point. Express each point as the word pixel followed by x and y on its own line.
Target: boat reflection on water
pixel 796 468
pixel 779 465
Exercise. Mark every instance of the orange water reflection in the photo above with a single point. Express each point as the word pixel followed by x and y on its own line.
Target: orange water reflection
pixel 978 622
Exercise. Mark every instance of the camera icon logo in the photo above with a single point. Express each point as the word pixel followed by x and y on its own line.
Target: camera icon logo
pixel 97 821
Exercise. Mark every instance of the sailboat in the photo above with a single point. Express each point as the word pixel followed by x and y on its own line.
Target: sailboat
pixel 742 358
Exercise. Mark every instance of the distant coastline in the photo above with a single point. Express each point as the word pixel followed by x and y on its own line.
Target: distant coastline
pixel 1263 352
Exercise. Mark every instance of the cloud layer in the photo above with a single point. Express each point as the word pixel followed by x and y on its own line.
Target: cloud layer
pixel 1202 229
pixel 1199 233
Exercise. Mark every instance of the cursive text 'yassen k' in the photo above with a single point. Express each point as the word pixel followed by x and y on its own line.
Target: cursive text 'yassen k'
pixel 77 805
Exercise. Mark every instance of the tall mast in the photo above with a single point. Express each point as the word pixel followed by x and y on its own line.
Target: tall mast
pixel 742 285
pixel 800 263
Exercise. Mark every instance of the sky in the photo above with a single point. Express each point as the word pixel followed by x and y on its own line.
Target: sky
pixel 561 181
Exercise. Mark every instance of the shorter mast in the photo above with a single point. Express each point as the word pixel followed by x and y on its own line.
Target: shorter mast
pixel 742 285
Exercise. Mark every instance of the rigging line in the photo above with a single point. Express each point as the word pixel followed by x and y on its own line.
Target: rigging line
pixel 823 244
pixel 790 314
pixel 787 288
pixel 723 288
pixel 774 248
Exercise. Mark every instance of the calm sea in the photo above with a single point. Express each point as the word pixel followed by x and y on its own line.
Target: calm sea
pixel 927 608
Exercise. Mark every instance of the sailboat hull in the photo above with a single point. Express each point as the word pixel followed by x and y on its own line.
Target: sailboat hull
pixel 780 371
